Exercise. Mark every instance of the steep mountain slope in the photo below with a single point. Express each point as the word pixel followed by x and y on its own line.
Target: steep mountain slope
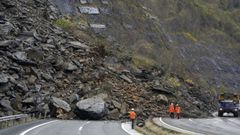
pixel 206 36
pixel 196 39
pixel 122 54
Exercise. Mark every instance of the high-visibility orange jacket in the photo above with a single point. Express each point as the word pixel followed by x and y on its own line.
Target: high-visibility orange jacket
pixel 171 109
pixel 132 115
pixel 178 109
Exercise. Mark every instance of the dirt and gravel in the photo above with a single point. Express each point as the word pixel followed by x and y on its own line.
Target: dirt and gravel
pixel 48 71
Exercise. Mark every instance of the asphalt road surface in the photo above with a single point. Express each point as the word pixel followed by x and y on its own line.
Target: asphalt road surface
pixel 67 127
pixel 211 126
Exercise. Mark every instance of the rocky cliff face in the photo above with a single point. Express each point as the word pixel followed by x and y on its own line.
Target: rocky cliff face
pixel 46 70
pixel 196 39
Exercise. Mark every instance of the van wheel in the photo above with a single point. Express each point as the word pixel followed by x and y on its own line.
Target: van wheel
pixel 220 114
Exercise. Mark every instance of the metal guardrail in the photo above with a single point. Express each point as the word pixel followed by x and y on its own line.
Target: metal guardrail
pixel 13 120
pixel 13 117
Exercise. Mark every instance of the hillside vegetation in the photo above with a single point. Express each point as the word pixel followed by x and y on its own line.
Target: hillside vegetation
pixel 197 39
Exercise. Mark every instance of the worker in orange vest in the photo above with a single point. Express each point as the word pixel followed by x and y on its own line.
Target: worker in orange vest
pixel 178 111
pixel 132 116
pixel 171 110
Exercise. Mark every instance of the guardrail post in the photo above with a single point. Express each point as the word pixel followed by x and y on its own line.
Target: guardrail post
pixel 45 115
pixel 25 119
pixel 40 116
pixel 13 122
pixel 33 115
pixel 4 123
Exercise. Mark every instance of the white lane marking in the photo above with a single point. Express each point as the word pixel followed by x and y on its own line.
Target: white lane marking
pixel 80 128
pixel 30 129
pixel 178 129
pixel 190 120
pixel 124 128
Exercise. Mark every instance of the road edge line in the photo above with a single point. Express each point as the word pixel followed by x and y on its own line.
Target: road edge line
pixel 40 125
pixel 81 127
pixel 177 128
pixel 126 130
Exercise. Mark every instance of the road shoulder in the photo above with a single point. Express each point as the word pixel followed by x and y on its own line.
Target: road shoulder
pixel 20 128
pixel 162 123
pixel 127 128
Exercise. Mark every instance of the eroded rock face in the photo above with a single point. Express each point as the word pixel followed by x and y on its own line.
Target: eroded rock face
pixel 33 56
pixel 45 69
pixel 91 108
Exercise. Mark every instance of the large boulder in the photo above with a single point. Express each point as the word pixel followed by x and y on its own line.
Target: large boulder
pixel 91 108
pixel 57 103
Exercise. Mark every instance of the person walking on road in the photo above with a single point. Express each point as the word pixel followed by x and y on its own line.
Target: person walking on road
pixel 132 116
pixel 171 110
pixel 178 111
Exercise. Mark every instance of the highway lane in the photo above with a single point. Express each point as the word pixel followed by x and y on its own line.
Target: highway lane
pixel 18 129
pixel 67 127
pixel 210 126
pixel 103 128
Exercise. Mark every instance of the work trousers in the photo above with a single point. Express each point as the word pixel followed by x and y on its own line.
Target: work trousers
pixel 178 115
pixel 132 123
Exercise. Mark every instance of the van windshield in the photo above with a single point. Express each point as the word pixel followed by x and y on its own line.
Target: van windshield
pixel 227 104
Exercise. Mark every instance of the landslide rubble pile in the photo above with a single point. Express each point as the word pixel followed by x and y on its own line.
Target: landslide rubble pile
pixel 44 70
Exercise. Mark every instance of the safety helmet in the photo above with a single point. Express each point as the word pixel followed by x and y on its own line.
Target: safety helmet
pixel 132 109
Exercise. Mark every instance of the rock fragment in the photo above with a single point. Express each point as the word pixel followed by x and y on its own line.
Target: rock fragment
pixel 21 58
pixel 3 79
pixel 78 45
pixel 6 28
pixel 59 103
pixel 125 78
pixel 89 10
